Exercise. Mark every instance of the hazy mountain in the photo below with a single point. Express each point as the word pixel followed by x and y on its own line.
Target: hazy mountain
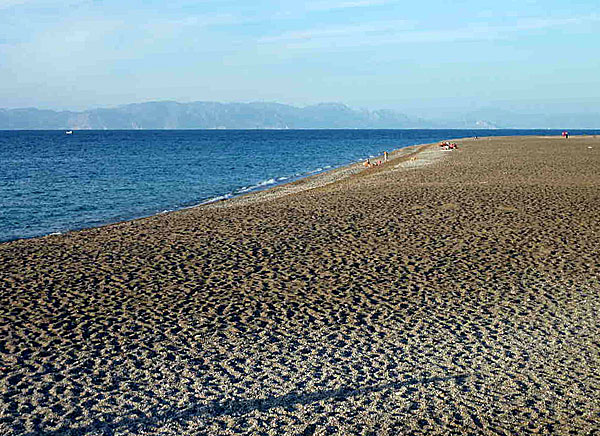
pixel 211 115
pixel 206 115
pixel 491 117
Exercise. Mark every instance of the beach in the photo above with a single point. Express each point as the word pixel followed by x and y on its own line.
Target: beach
pixel 444 292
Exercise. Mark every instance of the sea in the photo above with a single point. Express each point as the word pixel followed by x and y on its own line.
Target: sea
pixel 52 182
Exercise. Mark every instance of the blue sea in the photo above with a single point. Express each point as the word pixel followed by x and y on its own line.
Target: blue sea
pixel 51 182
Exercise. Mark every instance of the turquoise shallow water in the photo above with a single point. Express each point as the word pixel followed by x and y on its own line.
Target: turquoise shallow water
pixel 52 182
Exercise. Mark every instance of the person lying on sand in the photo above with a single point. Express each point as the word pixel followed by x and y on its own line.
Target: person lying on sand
pixel 445 145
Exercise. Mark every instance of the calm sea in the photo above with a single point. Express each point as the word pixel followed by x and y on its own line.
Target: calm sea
pixel 52 182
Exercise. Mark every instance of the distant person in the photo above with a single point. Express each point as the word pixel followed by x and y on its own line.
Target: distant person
pixel 385 156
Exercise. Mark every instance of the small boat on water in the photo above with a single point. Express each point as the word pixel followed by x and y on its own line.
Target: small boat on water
pixel 69 132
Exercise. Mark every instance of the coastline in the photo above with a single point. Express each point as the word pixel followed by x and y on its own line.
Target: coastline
pixel 301 184
pixel 452 295
pixel 322 179
pixel 276 189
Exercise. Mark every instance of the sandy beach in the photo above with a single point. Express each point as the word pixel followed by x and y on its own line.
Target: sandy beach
pixel 445 292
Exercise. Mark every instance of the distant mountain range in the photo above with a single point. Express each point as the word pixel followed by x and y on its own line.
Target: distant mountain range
pixel 206 115
pixel 212 115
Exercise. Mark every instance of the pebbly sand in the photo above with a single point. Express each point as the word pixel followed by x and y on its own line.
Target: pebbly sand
pixel 442 293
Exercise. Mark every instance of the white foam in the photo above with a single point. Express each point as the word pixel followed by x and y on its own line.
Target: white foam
pixel 266 182
pixel 217 198
pixel 259 185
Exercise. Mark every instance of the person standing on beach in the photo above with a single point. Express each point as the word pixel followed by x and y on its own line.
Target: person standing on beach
pixel 385 156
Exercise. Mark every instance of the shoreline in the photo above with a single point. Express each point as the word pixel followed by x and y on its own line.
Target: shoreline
pixel 320 180
pixel 307 182
pixel 276 190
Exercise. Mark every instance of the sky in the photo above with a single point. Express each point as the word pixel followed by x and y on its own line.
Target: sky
pixel 422 58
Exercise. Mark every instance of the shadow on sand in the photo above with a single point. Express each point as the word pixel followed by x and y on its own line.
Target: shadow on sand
pixel 160 417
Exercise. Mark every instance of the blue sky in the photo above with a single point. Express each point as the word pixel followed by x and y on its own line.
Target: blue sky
pixel 418 57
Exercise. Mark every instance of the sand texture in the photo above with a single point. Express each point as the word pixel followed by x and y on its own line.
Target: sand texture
pixel 442 293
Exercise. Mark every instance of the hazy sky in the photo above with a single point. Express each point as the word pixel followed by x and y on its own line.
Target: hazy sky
pixel 412 56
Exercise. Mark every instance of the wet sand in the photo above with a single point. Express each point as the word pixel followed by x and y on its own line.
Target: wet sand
pixel 442 293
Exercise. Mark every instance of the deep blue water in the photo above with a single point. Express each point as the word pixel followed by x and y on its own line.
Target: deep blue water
pixel 53 182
